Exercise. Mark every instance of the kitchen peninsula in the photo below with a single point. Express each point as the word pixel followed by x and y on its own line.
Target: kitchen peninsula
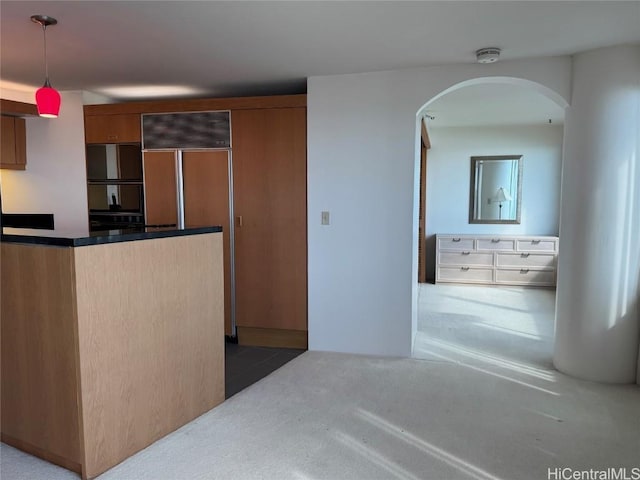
pixel 110 340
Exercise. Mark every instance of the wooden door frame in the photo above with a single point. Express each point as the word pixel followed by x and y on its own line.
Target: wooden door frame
pixel 425 144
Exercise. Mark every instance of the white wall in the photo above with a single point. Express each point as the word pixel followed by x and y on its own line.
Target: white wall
pixel 55 180
pixel 598 293
pixel 362 158
pixel 449 172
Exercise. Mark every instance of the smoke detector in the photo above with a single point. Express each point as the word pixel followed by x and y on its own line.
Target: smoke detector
pixel 488 55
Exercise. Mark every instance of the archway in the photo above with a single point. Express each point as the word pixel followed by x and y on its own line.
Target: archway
pixel 455 182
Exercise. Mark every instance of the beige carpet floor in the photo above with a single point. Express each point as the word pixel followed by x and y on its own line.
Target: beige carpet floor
pixel 472 324
pixel 338 416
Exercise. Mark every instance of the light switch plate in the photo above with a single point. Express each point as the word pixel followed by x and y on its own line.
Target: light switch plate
pixel 324 218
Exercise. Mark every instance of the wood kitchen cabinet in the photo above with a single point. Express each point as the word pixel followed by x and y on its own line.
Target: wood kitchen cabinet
pixel 14 143
pixel 160 188
pixel 269 185
pixel 115 128
pixel 265 246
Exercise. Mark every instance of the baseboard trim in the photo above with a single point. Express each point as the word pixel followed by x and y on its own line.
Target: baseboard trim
pixel 272 337
pixel 42 453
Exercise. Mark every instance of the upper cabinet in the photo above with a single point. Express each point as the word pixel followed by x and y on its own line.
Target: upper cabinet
pixel 14 143
pixel 114 128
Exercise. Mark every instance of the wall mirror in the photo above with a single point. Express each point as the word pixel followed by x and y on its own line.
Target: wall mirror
pixel 496 189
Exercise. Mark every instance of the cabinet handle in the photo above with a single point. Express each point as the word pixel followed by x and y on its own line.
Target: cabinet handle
pixel 535 242
pixel 239 220
pixel 464 269
pixel 525 255
pixel 112 137
pixel 495 240
pixel 524 270
pixel 455 240
pixel 466 253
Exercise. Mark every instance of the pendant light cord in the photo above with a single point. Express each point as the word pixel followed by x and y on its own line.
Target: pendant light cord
pixel 46 66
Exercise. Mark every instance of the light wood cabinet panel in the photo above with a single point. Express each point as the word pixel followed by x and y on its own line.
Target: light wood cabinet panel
pixel 14 143
pixel 154 360
pixel 124 128
pixel 269 163
pixel 160 188
pixel 206 202
pixel 40 408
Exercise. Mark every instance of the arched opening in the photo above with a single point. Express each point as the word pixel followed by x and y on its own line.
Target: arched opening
pixel 478 303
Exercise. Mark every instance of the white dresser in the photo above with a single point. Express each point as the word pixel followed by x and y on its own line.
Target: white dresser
pixel 496 259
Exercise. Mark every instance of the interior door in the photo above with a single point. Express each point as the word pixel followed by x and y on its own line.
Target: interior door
pixel 160 188
pixel 270 178
pixel 206 202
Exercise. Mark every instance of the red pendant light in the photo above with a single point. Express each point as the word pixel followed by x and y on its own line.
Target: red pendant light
pixel 47 98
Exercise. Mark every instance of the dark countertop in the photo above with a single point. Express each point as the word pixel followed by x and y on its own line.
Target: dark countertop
pixel 59 238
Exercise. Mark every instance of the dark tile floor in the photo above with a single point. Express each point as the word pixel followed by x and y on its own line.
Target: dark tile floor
pixel 246 365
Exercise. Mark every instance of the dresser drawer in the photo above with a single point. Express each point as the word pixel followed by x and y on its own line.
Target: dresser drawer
pixel 496 244
pixel 455 243
pixel 540 260
pixel 466 258
pixel 537 245
pixel 525 276
pixel 464 275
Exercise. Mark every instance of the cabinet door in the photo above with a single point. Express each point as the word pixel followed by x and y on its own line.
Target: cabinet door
pixel 269 171
pixel 124 128
pixel 14 143
pixel 160 188
pixel 206 202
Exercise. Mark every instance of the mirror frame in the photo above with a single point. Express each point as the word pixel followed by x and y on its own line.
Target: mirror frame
pixel 472 193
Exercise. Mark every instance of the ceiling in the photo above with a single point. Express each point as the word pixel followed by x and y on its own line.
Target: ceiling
pixel 253 48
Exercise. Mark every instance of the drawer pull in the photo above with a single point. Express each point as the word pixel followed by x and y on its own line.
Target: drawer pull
pixel 464 269
pixel 455 240
pixel 535 242
pixel 466 253
pixel 525 255
pixel 524 270
pixel 495 240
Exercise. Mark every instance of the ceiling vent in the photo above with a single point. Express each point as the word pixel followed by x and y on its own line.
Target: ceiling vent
pixel 488 55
